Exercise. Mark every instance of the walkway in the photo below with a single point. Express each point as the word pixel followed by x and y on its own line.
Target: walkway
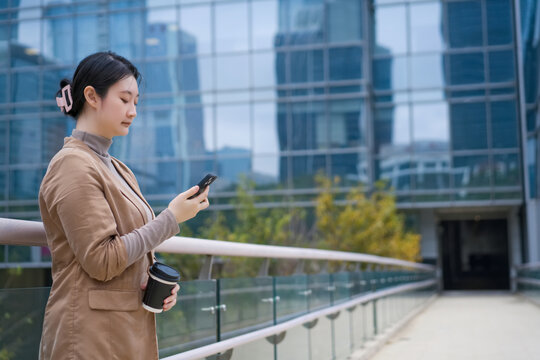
pixel 479 326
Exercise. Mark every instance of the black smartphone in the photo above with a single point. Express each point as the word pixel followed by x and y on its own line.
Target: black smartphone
pixel 207 180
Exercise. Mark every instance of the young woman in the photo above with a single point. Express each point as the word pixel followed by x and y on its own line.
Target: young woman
pixel 100 229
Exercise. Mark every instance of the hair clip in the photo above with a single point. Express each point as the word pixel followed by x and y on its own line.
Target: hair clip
pixel 62 102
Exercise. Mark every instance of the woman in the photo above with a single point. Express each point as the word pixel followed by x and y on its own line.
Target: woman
pixel 100 229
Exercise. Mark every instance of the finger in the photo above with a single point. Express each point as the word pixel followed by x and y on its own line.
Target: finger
pixel 191 191
pixel 143 286
pixel 175 290
pixel 203 195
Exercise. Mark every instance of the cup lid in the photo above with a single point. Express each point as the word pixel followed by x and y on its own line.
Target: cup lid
pixel 164 272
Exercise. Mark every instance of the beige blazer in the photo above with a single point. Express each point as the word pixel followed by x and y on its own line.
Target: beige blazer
pixel 94 309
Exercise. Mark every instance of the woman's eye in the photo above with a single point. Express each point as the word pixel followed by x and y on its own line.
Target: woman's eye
pixel 124 101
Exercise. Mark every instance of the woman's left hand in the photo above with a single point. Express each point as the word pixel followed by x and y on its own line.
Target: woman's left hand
pixel 169 302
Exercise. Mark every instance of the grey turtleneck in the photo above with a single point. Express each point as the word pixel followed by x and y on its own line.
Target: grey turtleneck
pixel 142 240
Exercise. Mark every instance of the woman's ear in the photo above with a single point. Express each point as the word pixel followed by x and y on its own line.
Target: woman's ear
pixel 91 96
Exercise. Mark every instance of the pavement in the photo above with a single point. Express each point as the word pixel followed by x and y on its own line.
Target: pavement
pixel 466 326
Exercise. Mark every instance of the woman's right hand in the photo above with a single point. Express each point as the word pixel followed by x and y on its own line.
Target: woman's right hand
pixel 185 209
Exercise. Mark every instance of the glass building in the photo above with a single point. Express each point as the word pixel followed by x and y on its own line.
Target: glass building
pixel 438 98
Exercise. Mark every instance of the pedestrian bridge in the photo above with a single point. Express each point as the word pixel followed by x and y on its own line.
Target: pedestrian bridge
pixel 375 307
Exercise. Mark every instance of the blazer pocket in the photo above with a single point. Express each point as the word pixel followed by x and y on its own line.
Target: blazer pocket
pixel 114 300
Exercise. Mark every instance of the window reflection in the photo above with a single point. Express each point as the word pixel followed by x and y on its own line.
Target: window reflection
pixel 196 29
pixel 161 33
pixel 504 127
pixel 231 170
pixel 232 72
pixel 164 77
pixel 264 69
pixel 390 73
pixel 395 170
pixel 86 42
pixel 392 129
pixel 264 23
pixel 308 126
pixel 431 171
pixel 53 132
pixel 126 34
pixel 501 66
pixel 344 20
pixel 390 30
pixel 231 25
pixel 345 63
pixel 197 131
pixel 506 170
pixel 471 171
pixel 426 27
pixel 2 186
pixel 464 23
pixel 352 169
pixel 233 129
pixel 3 88
pixel 24 184
pixel 305 168
pixel 58 40
pixel 265 128
pixel 306 66
pixel 25 86
pixel 469 126
pixel 531 166
pixel 163 177
pixel 302 22
pixel 196 74
pixel 266 172
pixel 499 22
pixel 430 127
pixel 3 142
pixel 163 138
pixel 466 68
pixel 427 71
pixel 346 123
pixel 26 44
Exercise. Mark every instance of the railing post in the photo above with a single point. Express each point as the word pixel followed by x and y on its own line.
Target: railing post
pixel 206 270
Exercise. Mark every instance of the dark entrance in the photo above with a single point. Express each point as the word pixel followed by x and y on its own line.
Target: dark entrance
pixel 475 255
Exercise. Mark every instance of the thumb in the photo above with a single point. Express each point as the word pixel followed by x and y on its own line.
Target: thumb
pixel 191 191
pixel 143 286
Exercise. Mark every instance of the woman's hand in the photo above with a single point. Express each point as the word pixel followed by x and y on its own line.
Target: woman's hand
pixel 184 209
pixel 170 301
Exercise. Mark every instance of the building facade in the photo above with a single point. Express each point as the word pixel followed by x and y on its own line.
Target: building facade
pixel 437 97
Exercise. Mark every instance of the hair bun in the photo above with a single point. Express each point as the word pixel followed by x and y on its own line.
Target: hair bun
pixel 64 82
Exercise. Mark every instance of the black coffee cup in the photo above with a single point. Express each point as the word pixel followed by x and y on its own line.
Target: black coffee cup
pixel 161 280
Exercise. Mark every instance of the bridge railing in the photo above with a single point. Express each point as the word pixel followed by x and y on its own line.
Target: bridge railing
pixel 301 316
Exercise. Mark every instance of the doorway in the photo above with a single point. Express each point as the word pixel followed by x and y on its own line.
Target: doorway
pixel 475 255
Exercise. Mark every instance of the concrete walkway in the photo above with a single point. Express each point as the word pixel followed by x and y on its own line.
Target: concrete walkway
pixel 463 326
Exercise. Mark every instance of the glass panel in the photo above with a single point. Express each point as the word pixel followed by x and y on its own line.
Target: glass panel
pixel 431 171
pixel 198 126
pixel 464 23
pixel 263 349
pixel 427 71
pixel 342 335
pixel 293 296
pixel 267 128
pixel 264 69
pixel 499 22
pixel 196 29
pixel 264 23
pixel 531 166
pixel 390 30
pixel 308 126
pixel 233 129
pixel 162 136
pixel 466 68
pixel 26 309
pixel 27 35
pixel 126 33
pixel 267 173
pixel 501 66
pixel 25 144
pixel 58 40
pixel 390 73
pixel 54 130
pixel 3 182
pixel 248 307
pixel 351 168
pixel 162 77
pixel 346 123
pixel 232 72
pixel 232 170
pixel 426 27
pixel 86 42
pixel 345 63
pixel 51 82
pixel 25 86
pixel 304 22
pixel 506 170
pixel 188 325
pixel 3 88
pixel 3 143
pixel 304 169
pixel 504 124
pixel 295 346
pixel 320 339
pixel 343 284
pixel 164 178
pixel 344 21
pixel 320 295
pixel 471 171
pixel 196 74
pixel 231 25
pixel 396 170
pixel 192 172
pixel 468 126
pixel 306 66
pixel 24 184
pixel 392 129
pixel 161 33
pixel 430 127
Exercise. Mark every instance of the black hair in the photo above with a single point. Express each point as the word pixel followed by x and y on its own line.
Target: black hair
pixel 100 70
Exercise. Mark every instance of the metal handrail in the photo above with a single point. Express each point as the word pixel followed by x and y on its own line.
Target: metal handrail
pixel 32 233
pixel 528 266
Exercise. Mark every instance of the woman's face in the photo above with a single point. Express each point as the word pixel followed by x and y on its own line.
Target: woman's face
pixel 118 108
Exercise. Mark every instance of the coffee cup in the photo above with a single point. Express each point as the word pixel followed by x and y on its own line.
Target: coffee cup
pixel 161 280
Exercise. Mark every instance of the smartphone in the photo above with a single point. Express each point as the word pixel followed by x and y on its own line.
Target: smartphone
pixel 207 180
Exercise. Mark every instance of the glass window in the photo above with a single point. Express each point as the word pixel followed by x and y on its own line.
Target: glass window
pixel 86 42
pixel 162 77
pixel 471 171
pixel 351 169
pixel 304 21
pixel 390 30
pixel 504 128
pixel 264 24
pixel 233 129
pixel 426 27
pixel 466 68
pixel 430 127
pixel 2 190
pixel 24 184
pixel 346 119
pixel 3 88
pixel 308 126
pixel 269 131
pixel 392 129
pixel 53 132
pixel 464 23
pixel 427 71
pixel 163 135
pixel 25 86
pixel 232 72
pixel 196 29
pixel 266 172
pixel 231 27
pixel 126 33
pixel 58 40
pixel 390 73
pixel 345 63
pixel 27 36
pixel 431 171
pixel 344 20
pixel 469 126
pixel 305 169
pixel 161 33
pixel 531 166
pixel 395 170
pixel 264 69
pixel 231 170
pixel 306 66
pixel 25 3
pixel 499 21
pixel 192 171
pixel 3 142
pixel 164 177
pixel 196 74
pixel 506 170
pixel 501 66
pixel 197 131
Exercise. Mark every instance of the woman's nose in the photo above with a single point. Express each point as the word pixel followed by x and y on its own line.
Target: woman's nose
pixel 132 112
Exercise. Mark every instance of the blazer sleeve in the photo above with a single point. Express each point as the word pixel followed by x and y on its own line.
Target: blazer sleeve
pixel 86 217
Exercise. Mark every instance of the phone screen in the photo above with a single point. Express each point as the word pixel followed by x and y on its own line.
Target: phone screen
pixel 206 181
